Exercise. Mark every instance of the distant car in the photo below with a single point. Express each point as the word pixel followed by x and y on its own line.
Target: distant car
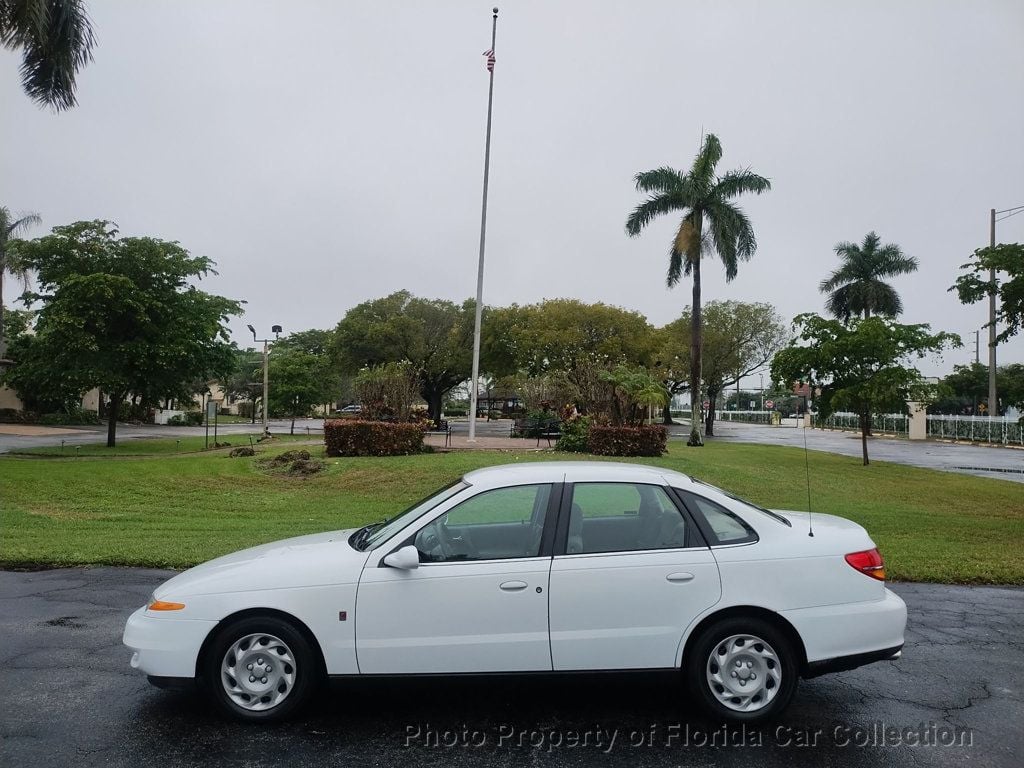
pixel 536 568
pixel 352 409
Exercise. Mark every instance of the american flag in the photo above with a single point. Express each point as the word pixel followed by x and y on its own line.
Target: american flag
pixel 489 53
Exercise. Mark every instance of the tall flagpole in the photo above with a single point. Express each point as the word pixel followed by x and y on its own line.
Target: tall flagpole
pixel 483 235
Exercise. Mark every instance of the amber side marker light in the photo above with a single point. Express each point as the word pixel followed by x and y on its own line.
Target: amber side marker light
pixel 869 562
pixel 160 605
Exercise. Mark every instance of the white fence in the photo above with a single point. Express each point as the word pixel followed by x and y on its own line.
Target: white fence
pixel 983 429
pixel 975 429
pixel 750 417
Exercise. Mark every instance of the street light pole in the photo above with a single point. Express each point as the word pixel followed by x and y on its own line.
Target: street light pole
pixel 276 330
pixel 266 382
pixel 761 375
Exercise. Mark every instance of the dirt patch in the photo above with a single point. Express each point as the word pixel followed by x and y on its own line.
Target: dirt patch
pixel 295 463
pixel 283 459
pixel 245 450
pixel 305 467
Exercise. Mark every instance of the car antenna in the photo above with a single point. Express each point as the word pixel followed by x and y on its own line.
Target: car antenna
pixel 807 473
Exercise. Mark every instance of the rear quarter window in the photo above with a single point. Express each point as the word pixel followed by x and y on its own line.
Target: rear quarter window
pixel 724 526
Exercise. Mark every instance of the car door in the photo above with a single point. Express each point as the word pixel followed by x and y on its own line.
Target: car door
pixel 629 574
pixel 478 600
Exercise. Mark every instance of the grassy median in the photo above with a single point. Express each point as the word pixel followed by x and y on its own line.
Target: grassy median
pixel 178 510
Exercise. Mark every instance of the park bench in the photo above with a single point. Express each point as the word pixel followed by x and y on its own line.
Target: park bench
pixel 542 429
pixel 442 428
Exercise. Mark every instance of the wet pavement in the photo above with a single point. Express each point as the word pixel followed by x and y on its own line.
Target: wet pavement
pixel 69 698
pixel 1002 463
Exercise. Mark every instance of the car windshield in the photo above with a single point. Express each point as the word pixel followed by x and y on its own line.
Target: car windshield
pixel 734 497
pixel 370 536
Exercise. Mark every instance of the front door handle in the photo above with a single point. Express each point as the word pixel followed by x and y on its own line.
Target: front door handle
pixel 680 577
pixel 513 586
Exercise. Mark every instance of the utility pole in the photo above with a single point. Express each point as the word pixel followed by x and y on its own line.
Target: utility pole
pixel 977 347
pixel 993 403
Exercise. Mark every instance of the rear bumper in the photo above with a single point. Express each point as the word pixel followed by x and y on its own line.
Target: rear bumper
pixel 843 663
pixel 852 631
pixel 164 647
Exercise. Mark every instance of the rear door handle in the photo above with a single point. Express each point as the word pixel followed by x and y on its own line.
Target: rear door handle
pixel 513 586
pixel 679 578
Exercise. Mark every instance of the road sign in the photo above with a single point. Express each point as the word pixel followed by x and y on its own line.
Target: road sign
pixel 769 403
pixel 707 404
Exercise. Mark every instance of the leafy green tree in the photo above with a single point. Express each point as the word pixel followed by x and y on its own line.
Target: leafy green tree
pixel 560 334
pixel 10 227
pixel 858 287
pixel 967 386
pixel 862 366
pixel 672 360
pixel 245 382
pixel 298 383
pixel 55 38
pixel 975 284
pixel 1011 384
pixel 739 338
pixel 120 314
pixel 711 223
pixel 320 344
pixel 634 391
pixel 432 334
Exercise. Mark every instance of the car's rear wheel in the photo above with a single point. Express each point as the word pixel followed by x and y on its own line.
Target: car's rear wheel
pixel 260 668
pixel 742 669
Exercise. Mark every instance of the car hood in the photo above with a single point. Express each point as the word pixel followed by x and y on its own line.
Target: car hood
pixel 302 561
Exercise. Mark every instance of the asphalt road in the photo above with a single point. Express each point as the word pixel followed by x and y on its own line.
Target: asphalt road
pixel 979 460
pixel 68 697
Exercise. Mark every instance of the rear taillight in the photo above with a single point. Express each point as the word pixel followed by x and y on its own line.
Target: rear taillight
pixel 868 562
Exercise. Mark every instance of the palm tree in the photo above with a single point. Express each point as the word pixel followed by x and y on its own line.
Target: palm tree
pixel 858 286
pixel 711 223
pixel 55 38
pixel 9 227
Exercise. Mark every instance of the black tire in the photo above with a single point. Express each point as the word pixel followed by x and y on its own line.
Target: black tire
pixel 696 667
pixel 305 669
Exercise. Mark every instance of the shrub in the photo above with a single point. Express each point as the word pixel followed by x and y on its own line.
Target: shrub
pixel 72 416
pixel 14 416
pixel 359 437
pixel 575 433
pixel 133 412
pixel 455 412
pixel 187 419
pixel 646 440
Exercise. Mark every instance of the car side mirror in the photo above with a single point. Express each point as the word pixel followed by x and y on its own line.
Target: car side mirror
pixel 405 558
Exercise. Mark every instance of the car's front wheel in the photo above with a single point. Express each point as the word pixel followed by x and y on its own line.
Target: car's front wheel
pixel 260 668
pixel 742 669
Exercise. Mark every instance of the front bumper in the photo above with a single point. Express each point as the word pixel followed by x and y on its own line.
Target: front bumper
pixel 165 646
pixel 871 631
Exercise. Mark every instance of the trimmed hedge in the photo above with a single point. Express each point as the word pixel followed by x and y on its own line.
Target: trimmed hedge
pixel 358 437
pixel 646 440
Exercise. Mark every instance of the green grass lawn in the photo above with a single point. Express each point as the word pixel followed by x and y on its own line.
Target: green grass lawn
pixel 152 446
pixel 180 509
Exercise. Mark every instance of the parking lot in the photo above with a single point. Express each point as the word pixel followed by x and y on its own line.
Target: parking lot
pixel 68 697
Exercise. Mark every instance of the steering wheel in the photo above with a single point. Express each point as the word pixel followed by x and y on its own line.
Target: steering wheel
pixel 431 544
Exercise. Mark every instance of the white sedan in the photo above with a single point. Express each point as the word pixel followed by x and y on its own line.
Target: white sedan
pixel 534 568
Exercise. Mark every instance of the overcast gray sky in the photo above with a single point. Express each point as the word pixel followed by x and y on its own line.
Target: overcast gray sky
pixel 324 153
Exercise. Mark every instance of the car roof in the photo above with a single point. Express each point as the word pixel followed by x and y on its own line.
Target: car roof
pixel 572 472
